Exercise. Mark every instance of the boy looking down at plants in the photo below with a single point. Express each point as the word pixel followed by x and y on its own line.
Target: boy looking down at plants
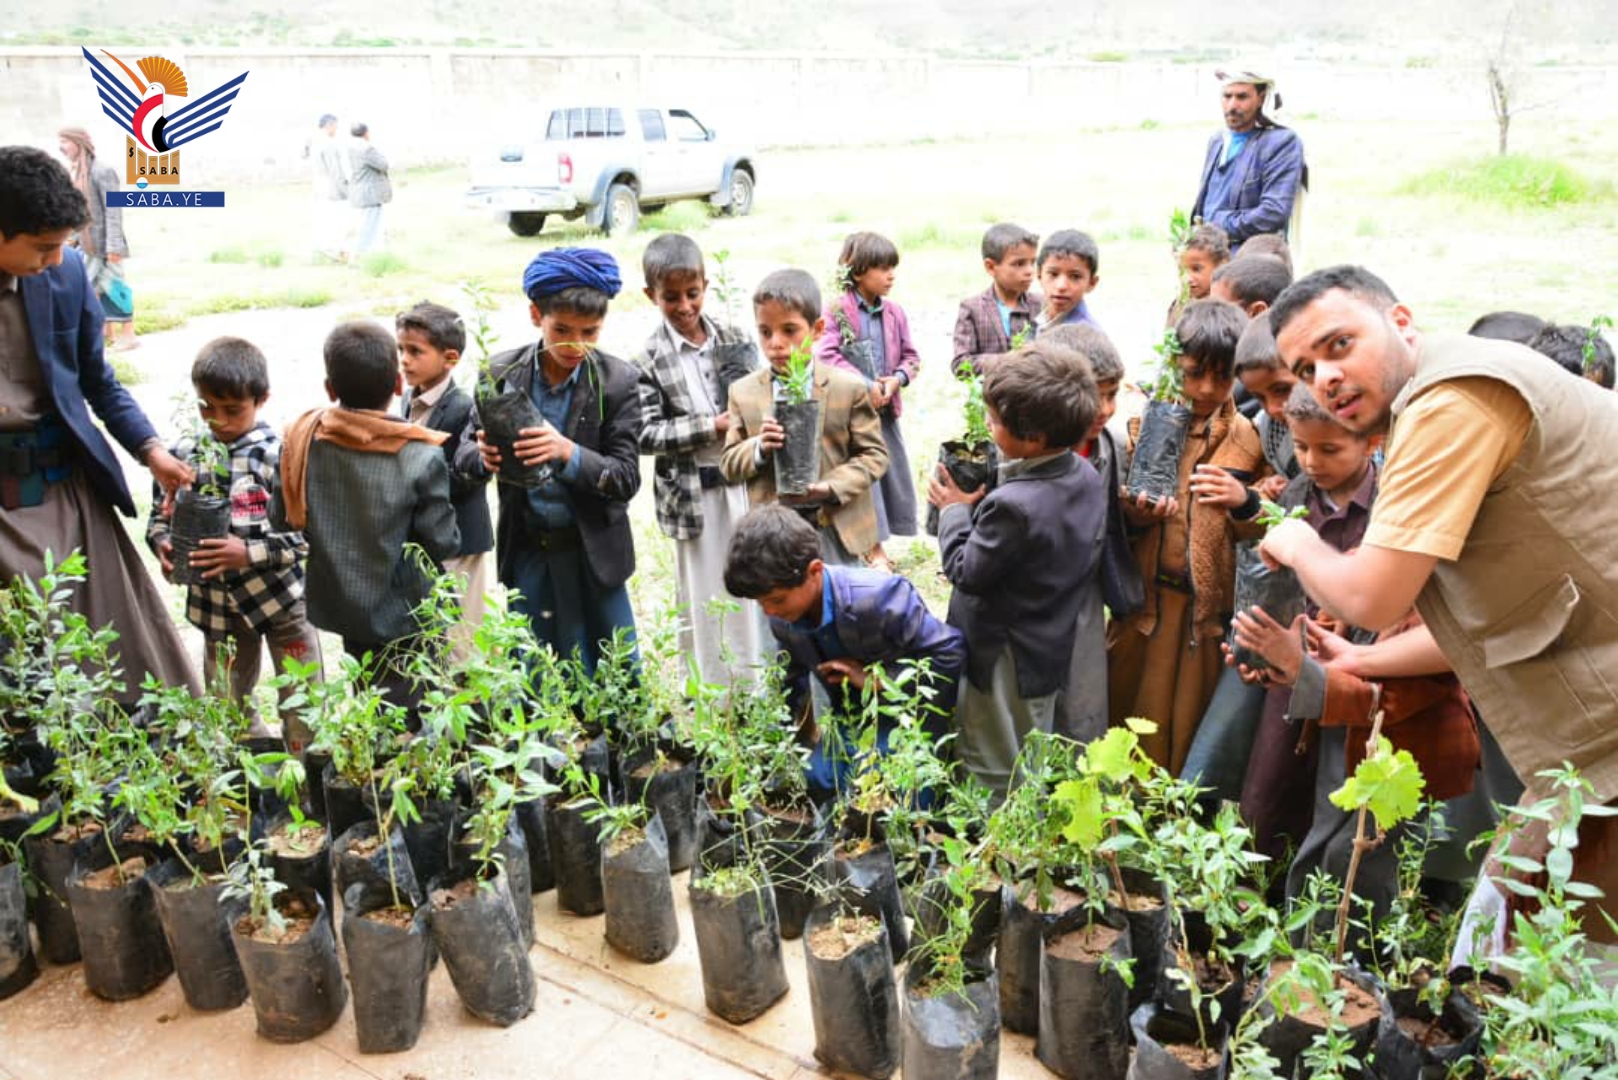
pixel 246 586
pixel 836 623
pixel 1024 559
pixel 988 323
pixel 565 544
pixel 851 454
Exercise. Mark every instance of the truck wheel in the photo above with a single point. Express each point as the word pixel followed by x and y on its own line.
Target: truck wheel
pixel 526 223
pixel 622 211
pixel 741 193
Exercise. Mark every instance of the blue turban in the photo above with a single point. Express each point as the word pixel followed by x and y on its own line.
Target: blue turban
pixel 569 267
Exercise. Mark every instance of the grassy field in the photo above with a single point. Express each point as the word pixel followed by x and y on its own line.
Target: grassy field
pixel 1454 232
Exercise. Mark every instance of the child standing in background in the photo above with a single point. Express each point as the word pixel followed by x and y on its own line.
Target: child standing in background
pixel 864 321
pixel 1205 251
pixel 1069 266
pixel 988 323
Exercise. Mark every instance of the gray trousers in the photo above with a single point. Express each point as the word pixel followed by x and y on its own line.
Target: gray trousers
pixel 289 634
pixel 991 724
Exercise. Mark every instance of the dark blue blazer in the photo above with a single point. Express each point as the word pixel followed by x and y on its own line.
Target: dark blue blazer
pixel 1269 172
pixel 468 492
pixel 880 618
pixel 65 319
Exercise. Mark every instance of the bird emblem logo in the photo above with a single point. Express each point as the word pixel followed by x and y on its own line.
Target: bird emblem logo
pixel 157 129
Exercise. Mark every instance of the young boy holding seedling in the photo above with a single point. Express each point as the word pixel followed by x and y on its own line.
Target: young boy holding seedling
pixel 835 623
pixel 1163 662
pixel 431 340
pixel 852 454
pixel 252 585
pixel 1266 378
pixel 684 420
pixel 365 486
pixel 1206 249
pixel 566 545
pixel 1069 270
pixel 1024 559
pixel 988 323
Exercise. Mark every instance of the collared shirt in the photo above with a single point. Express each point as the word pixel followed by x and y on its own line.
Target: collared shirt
pixel 1079 313
pixel 827 641
pixel 1234 142
pixel 422 402
pixel 1343 527
pixel 871 330
pixel 550 502
pixel 1220 180
pixel 702 384
pixel 1005 315
pixel 23 397
pixel 1017 466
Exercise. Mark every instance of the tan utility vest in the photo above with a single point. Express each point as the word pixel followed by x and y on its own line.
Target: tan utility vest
pixel 1526 613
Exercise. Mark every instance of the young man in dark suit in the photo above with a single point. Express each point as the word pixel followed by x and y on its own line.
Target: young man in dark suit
pixel 566 545
pixel 1025 558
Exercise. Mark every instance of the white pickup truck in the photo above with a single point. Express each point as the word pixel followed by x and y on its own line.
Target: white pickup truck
pixel 607 163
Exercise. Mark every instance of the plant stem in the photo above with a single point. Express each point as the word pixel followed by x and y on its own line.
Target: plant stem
pixel 1362 844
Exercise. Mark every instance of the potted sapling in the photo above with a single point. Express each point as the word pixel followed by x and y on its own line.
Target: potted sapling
pixel 202 510
pixel 656 759
pixel 575 842
pixel 635 887
pixel 971 458
pixel 859 352
pixel 951 1019
pixel 797 460
pixel 504 412
pixel 18 967
pixel 288 952
pixel 1154 468
pixel 1276 590
pixel 772 764
pixel 734 356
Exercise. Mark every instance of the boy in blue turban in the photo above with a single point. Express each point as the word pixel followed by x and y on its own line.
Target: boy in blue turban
pixel 565 545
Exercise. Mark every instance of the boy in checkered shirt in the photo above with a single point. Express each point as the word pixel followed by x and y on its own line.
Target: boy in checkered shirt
pixel 252 578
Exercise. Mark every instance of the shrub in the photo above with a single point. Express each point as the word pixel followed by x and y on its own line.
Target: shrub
pixel 1515 181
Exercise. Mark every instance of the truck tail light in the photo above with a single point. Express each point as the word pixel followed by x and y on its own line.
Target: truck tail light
pixel 564 168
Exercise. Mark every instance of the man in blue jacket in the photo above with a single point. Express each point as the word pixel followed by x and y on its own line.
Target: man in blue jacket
pixel 59 479
pixel 1253 173
pixel 836 624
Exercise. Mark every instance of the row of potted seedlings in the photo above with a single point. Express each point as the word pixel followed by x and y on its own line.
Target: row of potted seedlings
pixel 1092 908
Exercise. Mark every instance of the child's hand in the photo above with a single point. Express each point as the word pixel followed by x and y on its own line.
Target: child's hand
pixel 882 391
pixel 817 494
pixel 721 423
pixel 843 670
pixel 1145 510
pixel 489 453
pixel 1280 646
pixel 1213 486
pixel 1333 650
pixel 1248 675
pixel 771 435
pixel 942 491
pixel 1271 487
pixel 537 445
pixel 165 558
pixel 216 555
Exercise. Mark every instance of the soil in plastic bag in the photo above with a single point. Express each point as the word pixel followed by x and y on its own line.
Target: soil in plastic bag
pixel 196 924
pixel 196 518
pixel 639 897
pixel 1414 1043
pixel 932 905
pixel 1277 591
pixel 531 820
pixel 1154 471
pixel 50 862
pixel 307 867
pixel 733 361
pixel 795 847
pixel 513 852
pixel 575 858
pixel 370 865
pixel 429 839
pixel 1166 1047
pixel 867 882
pixel 388 960
pixel 797 462
pixel 971 467
pixel 1083 1002
pixel 671 793
pixel 1220 983
pixel 474 926
pixel 315 761
pixel 18 968
pixel 295 983
pixel 853 994
pixel 346 804
pixel 1017 953
pixel 1294 1029
pixel 503 417
pixel 1147 910
pixel 951 1036
pixel 738 947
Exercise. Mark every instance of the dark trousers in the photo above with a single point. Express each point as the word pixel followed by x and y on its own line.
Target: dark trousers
pixel 566 604
pixel 388 669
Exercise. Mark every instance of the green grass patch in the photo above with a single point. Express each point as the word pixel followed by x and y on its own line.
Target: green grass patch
pixel 933 234
pixel 679 217
pixel 297 296
pixel 270 259
pixel 1108 56
pixel 128 373
pixel 1368 226
pixel 379 264
pixel 1515 181
pixel 228 255
pixel 156 320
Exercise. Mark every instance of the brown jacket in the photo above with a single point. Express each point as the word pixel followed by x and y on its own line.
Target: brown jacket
pixel 852 454
pixel 1232 442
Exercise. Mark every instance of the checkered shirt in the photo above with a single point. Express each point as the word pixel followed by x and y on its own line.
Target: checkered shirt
pixel 273 580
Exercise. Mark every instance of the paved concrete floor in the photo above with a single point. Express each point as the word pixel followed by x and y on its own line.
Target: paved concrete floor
pixel 598 1016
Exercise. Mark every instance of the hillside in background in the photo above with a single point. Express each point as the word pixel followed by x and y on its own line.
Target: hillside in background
pixel 1416 32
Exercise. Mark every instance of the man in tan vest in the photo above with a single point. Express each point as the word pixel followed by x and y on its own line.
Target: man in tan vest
pixel 1493 519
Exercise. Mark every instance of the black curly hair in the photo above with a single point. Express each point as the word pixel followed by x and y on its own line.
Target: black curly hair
pixel 36 194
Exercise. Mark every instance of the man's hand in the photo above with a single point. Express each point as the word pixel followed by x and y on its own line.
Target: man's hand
pixel 169 471
pixel 1280 646
pixel 1213 486
pixel 771 435
pixel 942 491
pixel 215 555
pixel 1144 510
pixel 537 445
pixel 1281 545
pixel 836 672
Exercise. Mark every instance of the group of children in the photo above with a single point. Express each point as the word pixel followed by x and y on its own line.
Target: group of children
pixel 1073 606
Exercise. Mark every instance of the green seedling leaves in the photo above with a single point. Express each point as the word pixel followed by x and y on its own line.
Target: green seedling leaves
pixel 1085 809
pixel 1388 783
pixel 1271 514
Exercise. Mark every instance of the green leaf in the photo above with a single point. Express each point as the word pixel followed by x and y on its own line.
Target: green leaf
pixel 1388 783
pixel 1112 756
pixel 1559 865
pixel 1082 800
